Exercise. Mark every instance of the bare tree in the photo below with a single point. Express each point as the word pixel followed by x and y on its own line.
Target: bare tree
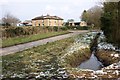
pixel 95 15
pixel 92 16
pixel 10 20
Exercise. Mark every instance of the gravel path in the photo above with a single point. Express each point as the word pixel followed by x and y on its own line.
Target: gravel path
pixel 21 47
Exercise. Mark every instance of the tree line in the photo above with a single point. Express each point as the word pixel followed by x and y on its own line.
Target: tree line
pixel 106 18
pixel 110 22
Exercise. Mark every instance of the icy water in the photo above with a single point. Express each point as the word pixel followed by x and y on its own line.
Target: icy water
pixel 92 63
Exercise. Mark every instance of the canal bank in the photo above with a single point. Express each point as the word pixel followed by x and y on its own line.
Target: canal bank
pixel 57 60
pixel 101 64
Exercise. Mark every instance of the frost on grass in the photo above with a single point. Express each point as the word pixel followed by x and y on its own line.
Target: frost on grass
pixel 81 42
pixel 109 72
pixel 105 45
pixel 47 61
pixel 41 62
pixel 115 55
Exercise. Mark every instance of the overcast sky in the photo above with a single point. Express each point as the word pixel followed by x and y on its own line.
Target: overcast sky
pixel 28 9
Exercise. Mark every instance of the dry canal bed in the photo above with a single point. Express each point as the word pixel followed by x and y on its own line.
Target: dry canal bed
pixel 60 60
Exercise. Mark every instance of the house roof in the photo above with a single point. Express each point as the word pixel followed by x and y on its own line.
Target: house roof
pixel 47 17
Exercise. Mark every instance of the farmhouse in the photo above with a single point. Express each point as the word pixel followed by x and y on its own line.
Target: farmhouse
pixel 47 21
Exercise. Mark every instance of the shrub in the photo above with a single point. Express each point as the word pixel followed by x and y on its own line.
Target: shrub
pixel 78 27
pixel 19 31
pixel 64 28
pixel 48 28
pixel 10 32
pixel 55 28
pixel 83 28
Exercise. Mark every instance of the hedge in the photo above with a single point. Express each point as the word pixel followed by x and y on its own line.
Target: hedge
pixel 78 27
pixel 22 31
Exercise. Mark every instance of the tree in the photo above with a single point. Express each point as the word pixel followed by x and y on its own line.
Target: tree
pixel 70 20
pixel 10 20
pixel 84 16
pixel 110 22
pixel 92 16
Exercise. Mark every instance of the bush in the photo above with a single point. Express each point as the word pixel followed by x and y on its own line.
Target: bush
pixel 55 28
pixel 14 32
pixel 83 28
pixel 49 28
pixel 22 31
pixel 64 28
pixel 10 32
pixel 19 31
pixel 6 24
pixel 78 27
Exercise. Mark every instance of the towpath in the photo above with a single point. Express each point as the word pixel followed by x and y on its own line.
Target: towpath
pixel 21 47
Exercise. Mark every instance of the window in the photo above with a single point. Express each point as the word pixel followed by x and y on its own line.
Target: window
pixel 42 21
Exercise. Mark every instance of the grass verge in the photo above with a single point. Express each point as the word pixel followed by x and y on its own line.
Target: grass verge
pixel 42 59
pixel 24 39
pixel 31 62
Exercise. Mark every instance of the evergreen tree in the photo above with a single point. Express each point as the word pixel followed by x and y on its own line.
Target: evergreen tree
pixel 110 22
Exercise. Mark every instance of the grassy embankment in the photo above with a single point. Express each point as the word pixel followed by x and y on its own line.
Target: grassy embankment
pixel 47 58
pixel 75 59
pixel 24 39
pixel 41 59
pixel 108 57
